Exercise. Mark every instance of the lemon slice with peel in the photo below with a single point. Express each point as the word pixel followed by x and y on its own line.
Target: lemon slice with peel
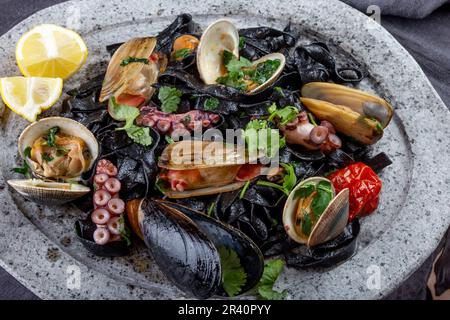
pixel 50 51
pixel 28 97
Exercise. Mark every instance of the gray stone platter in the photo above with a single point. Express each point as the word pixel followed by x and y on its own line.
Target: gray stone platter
pixel 37 244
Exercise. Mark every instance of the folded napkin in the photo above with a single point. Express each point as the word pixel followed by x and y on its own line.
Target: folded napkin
pixel 417 9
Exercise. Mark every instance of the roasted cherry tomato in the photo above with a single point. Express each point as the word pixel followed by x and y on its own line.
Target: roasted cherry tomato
pixel 364 186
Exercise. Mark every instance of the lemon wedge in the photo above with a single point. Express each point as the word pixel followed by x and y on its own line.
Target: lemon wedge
pixel 28 97
pixel 50 51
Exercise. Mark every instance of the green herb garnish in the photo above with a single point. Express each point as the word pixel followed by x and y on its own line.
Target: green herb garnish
pixel 289 180
pixel 306 223
pixel 51 136
pixel 272 270
pixel 170 98
pixel 169 139
pixel 211 104
pixel 46 157
pixel 233 274
pixel 182 53
pixel 25 168
pixel 129 60
pixel 61 151
pixel 128 114
pixel 241 42
pixel 211 209
pixel 260 137
pixel 312 119
pixel 284 115
pixel 264 71
pixel 244 189
pixel 125 233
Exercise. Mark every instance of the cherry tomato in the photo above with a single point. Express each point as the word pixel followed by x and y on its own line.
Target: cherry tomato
pixel 364 186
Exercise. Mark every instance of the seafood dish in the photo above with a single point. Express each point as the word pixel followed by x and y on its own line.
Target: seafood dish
pixel 230 153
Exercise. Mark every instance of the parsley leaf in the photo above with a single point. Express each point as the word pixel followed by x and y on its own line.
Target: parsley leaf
pixel 170 98
pixel 25 168
pixel 128 114
pixel 139 135
pixel 272 270
pixel 182 53
pixel 211 104
pixel 289 180
pixel 241 42
pixel 260 137
pixel 322 199
pixel 51 135
pixel 129 60
pixel 233 274
pixel 46 157
pixel 244 189
pixel 305 190
pixel 284 115
pixel 264 71
pixel 125 233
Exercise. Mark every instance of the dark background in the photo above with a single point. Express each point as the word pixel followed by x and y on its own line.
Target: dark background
pixel 427 40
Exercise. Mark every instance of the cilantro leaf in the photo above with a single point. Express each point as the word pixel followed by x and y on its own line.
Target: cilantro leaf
pixel 322 199
pixel 306 223
pixel 129 60
pixel 233 79
pixel 233 274
pixel 272 270
pixel 284 115
pixel 125 232
pixel 128 114
pixel 170 98
pixel 46 157
pixel 51 136
pixel 305 190
pixel 25 168
pixel 182 53
pixel 260 137
pixel 211 104
pixel 241 42
pixel 265 70
pixel 289 179
pixel 139 135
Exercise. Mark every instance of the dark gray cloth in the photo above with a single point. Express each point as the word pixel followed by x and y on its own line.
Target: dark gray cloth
pixel 427 40
pixel 402 8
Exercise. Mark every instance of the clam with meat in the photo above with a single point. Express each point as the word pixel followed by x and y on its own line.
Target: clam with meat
pixel 58 151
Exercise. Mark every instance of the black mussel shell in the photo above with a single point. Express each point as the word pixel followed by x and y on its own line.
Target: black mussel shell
pixel 328 254
pixel 223 235
pixel 181 249
pixel 84 229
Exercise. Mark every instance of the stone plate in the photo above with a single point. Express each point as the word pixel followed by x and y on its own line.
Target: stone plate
pixel 37 243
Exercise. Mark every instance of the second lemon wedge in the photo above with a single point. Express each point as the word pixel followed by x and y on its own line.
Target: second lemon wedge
pixel 28 97
pixel 50 51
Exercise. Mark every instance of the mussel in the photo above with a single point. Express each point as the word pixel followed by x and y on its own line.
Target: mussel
pixel 193 168
pixel 185 244
pixel 133 69
pixel 221 36
pixel 58 151
pixel 357 114
pixel 314 214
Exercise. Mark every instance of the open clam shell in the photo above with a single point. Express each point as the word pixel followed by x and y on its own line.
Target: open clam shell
pixel 329 225
pixel 219 36
pixel 134 79
pixel 48 193
pixel 364 103
pixel 68 126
